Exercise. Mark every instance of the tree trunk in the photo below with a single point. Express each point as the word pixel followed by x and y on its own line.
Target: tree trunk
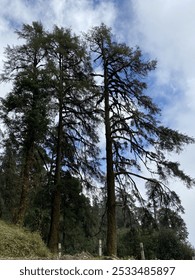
pixel 24 198
pixel 55 214
pixel 55 222
pixel 111 200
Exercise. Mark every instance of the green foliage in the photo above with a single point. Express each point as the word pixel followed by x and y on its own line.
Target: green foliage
pixel 79 220
pixel 164 237
pixel 171 247
pixel 129 243
pixel 163 244
pixel 9 182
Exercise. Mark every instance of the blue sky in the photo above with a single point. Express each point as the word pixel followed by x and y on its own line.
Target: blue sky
pixel 163 29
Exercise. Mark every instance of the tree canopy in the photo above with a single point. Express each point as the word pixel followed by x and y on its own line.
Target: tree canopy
pixel 135 137
pixel 65 88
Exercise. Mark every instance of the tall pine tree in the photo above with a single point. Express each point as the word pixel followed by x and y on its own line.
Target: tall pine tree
pixel 25 108
pixel 134 135
pixel 74 127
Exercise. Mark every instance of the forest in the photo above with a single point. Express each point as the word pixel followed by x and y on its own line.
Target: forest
pixel 81 137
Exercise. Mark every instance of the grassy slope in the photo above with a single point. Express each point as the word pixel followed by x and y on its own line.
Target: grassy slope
pixel 18 243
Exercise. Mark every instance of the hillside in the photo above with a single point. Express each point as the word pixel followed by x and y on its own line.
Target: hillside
pixel 19 243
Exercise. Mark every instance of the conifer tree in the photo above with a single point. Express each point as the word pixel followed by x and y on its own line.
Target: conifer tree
pixel 73 99
pixel 135 138
pixel 25 108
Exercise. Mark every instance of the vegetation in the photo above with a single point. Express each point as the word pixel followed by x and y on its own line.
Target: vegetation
pixel 17 243
pixel 135 138
pixel 64 90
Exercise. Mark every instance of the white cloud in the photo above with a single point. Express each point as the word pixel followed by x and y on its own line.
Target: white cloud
pixel 165 30
pixel 81 15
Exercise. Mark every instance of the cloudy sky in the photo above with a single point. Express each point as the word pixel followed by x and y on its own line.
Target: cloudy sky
pixel 164 30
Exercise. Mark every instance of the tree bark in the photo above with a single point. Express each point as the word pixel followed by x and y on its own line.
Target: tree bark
pixel 55 214
pixel 55 222
pixel 111 199
pixel 24 197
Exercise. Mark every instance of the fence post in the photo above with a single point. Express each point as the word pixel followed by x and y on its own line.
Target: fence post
pixel 59 250
pixel 142 251
pixel 100 247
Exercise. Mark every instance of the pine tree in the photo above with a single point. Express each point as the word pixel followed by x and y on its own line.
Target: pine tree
pixel 25 108
pixel 135 138
pixel 74 129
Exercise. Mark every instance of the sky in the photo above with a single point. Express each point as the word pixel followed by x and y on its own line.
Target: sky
pixel 163 29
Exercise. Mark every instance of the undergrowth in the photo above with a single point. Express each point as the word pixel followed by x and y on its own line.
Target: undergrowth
pixel 19 243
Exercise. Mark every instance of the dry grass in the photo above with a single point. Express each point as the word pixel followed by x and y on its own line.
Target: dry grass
pixel 19 243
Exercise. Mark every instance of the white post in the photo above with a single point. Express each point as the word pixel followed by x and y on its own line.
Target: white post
pixel 142 251
pixel 100 247
pixel 59 250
